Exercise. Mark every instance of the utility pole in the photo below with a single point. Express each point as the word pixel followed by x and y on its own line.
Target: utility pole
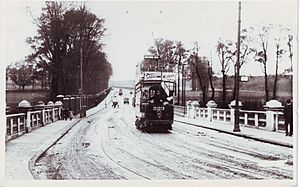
pixel 178 79
pixel 182 86
pixel 237 77
pixel 81 83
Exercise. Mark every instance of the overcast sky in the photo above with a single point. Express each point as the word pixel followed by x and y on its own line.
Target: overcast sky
pixel 133 26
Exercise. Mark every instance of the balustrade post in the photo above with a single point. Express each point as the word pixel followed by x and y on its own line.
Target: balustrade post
pixel 256 120
pixel 218 115
pixel 193 112
pixel 270 120
pixel 28 121
pixel 210 106
pixel 245 119
pixel 224 116
pixel 232 116
pixel 276 122
pixel 11 126
pixel 43 117
pixel 53 114
pixel 36 119
pixel 40 118
pixel 188 108
pixel 272 107
pixel 209 114
pixel 59 113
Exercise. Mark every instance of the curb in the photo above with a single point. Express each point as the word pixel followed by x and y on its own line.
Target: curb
pixel 39 155
pixel 241 135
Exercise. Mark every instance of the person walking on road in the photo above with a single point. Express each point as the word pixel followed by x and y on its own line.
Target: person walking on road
pixel 71 115
pixel 65 113
pixel 288 116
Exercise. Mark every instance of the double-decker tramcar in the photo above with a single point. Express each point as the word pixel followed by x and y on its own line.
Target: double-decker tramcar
pixel 153 100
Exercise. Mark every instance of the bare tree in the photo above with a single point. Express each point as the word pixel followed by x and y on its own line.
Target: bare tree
pixel 200 68
pixel 225 55
pixel 279 52
pixel 261 55
pixel 290 38
pixel 210 75
pixel 180 55
pixel 246 51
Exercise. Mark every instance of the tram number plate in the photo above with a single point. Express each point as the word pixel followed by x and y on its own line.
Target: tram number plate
pixel 158 108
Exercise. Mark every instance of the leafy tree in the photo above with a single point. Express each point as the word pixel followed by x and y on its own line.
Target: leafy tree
pixel 165 50
pixel 66 37
pixel 21 74
pixel 97 80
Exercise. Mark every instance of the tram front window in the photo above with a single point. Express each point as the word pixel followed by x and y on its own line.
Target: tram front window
pixel 156 96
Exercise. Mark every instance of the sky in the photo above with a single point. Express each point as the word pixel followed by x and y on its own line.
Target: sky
pixel 132 27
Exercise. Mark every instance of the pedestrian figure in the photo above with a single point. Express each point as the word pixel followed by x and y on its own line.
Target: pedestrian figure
pixel 71 114
pixel 288 116
pixel 66 113
pixel 115 102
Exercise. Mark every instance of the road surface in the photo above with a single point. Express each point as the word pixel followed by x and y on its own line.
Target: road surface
pixel 107 146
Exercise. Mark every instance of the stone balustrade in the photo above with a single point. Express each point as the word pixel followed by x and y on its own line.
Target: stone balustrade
pixel 271 119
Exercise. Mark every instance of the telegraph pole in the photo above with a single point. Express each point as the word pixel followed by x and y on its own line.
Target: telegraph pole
pixel 182 86
pixel 237 77
pixel 178 80
pixel 81 84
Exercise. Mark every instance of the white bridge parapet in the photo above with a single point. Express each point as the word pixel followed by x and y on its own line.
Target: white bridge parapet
pixel 21 123
pixel 271 120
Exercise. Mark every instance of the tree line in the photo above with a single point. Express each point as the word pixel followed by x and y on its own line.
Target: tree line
pixel 254 46
pixel 67 36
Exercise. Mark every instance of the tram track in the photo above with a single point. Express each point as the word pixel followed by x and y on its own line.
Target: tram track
pixel 152 163
pixel 40 155
pixel 108 146
pixel 246 169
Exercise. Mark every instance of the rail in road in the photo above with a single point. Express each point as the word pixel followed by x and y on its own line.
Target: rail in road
pixel 215 119
pixel 108 146
pixel 122 126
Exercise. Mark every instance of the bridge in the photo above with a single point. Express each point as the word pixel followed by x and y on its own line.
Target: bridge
pixel 254 125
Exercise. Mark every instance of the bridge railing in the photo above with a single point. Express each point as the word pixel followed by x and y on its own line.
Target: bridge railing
pixel 253 118
pixel 15 124
pixel 221 115
pixel 18 124
pixel 267 120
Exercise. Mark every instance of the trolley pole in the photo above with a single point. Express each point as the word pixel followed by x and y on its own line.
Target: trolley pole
pixel 237 77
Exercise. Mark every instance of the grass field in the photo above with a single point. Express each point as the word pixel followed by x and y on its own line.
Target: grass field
pixel 13 97
pixel 252 93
